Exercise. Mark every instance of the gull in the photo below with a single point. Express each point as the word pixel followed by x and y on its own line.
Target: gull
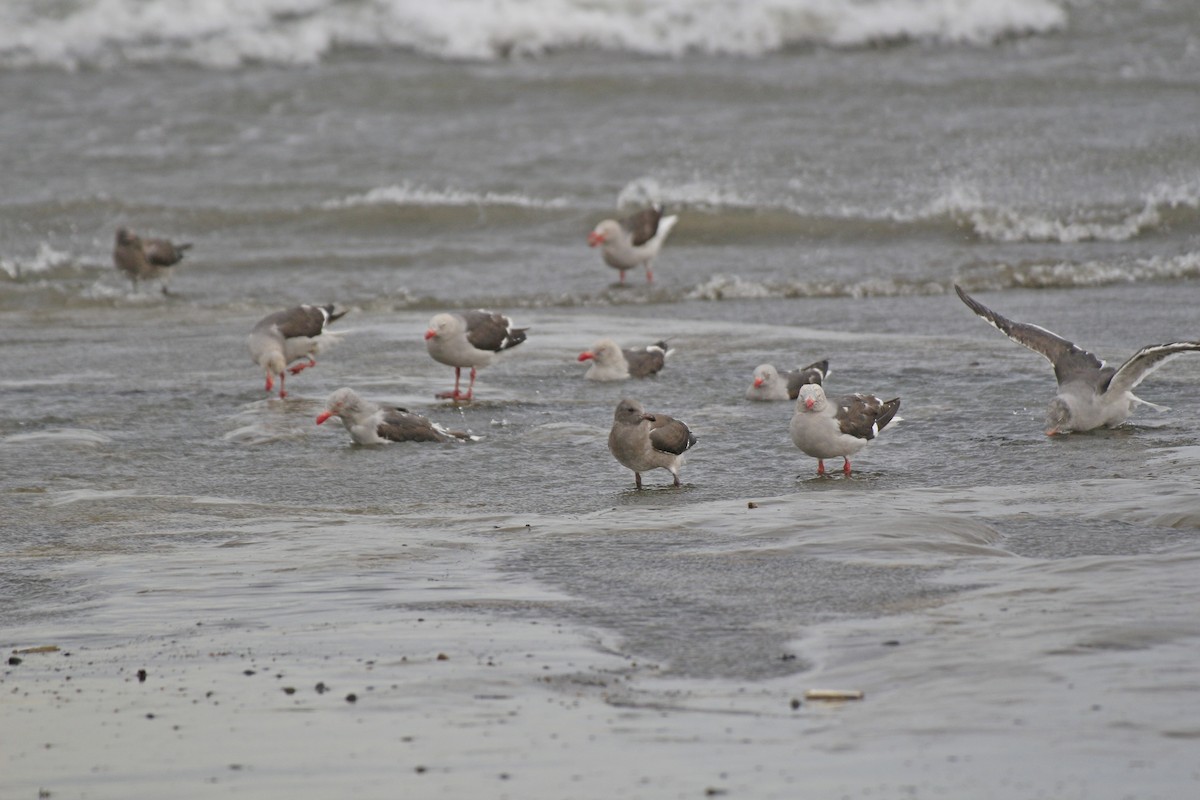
pixel 1091 394
pixel 611 363
pixel 841 426
pixel 283 337
pixel 633 241
pixel 642 441
pixel 146 259
pixel 469 339
pixel 770 384
pixel 370 423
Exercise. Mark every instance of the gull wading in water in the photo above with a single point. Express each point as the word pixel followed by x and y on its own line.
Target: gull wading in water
pixel 469 339
pixel 643 442
pixel 769 384
pixel 611 363
pixel 370 423
pixel 283 337
pixel 825 427
pixel 146 259
pixel 1091 394
pixel 633 241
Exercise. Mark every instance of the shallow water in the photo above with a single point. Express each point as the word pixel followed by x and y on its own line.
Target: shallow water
pixel 1003 598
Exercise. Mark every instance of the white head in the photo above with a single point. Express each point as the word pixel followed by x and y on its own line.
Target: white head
pixel 442 325
pixel 603 352
pixel 606 231
pixel 765 376
pixel 343 401
pixel 811 398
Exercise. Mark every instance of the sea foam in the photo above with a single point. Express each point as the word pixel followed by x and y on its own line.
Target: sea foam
pixel 231 33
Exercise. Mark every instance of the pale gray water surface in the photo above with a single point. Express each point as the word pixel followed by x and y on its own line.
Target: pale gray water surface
pixel 1020 611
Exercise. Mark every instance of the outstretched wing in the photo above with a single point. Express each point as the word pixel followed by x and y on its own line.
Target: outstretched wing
pixel 1069 361
pixel 1145 361
pixel 643 225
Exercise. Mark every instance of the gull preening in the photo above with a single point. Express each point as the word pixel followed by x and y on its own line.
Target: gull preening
pixel 1091 394
pixel 633 241
pixel 283 337
pixel 642 441
pixel 824 427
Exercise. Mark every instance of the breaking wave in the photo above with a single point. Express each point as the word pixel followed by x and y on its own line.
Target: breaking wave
pixel 230 33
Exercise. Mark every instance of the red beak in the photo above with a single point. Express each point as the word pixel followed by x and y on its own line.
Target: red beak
pixel 595 239
pixel 324 415
pixel 585 356
pixel 758 382
pixel 808 404
pixel 429 334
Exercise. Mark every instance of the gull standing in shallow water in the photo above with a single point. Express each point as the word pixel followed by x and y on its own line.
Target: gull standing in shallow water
pixel 469 339
pixel 841 426
pixel 769 384
pixel 643 442
pixel 633 241
pixel 145 259
pixel 369 423
pixel 611 363
pixel 1090 393
pixel 286 336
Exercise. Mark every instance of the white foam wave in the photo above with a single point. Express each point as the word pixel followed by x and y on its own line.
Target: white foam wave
pixel 78 436
pixel 44 260
pixel 407 194
pixel 229 33
pixel 1041 275
pixel 1004 224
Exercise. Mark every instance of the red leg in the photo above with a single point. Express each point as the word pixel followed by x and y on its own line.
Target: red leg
pixel 451 395
pixel 649 274
pixel 846 466
pixel 622 276
pixel 820 466
pixel 270 383
pixel 298 368
pixel 282 393
pixel 471 385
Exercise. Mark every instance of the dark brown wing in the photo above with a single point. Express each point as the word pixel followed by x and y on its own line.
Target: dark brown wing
pixel 813 373
pixel 489 330
pixel 643 225
pixel 1070 361
pixel 401 425
pixel 164 253
pixel 864 415
pixel 646 361
pixel 669 435
pixel 302 320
